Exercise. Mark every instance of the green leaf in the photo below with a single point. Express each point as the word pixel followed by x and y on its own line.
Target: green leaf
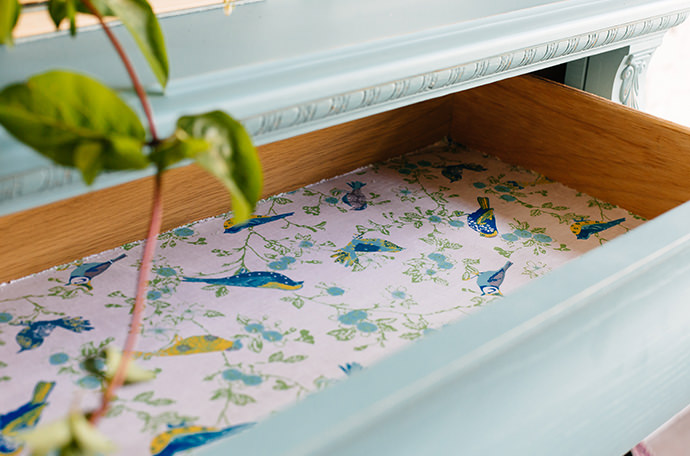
pixel 295 358
pixel 141 22
pixel 178 147
pixel 61 9
pixel 343 334
pixel 298 302
pixel 9 14
pixel 304 336
pixel 276 357
pixel 143 397
pixel 89 439
pixel 256 345
pixel 213 314
pixel 75 121
pixel 115 410
pixel 48 437
pixel 134 374
pixel 98 4
pixel 281 385
pixel 221 291
pixel 241 399
pixel 281 200
pixel 221 394
pixel 231 158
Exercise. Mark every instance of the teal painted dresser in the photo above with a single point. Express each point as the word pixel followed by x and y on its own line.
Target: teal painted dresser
pixel 587 360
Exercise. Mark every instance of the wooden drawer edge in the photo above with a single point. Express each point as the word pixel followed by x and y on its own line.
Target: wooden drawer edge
pixel 617 154
pixel 64 231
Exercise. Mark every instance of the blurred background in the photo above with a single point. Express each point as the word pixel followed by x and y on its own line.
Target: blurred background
pixel 667 95
pixel 668 79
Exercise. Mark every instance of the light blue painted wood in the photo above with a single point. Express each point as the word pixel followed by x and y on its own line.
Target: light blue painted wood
pixel 585 361
pixel 293 66
pixel 588 360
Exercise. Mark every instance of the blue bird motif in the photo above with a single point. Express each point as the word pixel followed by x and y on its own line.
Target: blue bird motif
pixel 454 172
pixel 36 331
pixel 182 438
pixel 351 368
pixel 489 282
pixel 348 255
pixel 23 418
pixel 82 274
pixel 258 279
pixel 583 229
pixel 254 221
pixel 356 199
pixel 482 220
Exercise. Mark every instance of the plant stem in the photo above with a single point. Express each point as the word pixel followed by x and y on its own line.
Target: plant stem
pixel 137 314
pixel 138 88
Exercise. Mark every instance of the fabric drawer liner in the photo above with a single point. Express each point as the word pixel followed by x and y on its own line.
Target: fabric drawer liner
pixel 242 321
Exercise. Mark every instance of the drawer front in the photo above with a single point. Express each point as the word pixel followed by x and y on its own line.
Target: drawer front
pixel 567 362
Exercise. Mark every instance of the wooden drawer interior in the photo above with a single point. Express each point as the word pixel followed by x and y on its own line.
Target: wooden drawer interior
pixel 611 152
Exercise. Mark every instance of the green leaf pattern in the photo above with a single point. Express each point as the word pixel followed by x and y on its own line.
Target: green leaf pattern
pixel 234 351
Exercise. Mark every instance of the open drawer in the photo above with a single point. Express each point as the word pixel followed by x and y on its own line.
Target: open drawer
pixel 586 360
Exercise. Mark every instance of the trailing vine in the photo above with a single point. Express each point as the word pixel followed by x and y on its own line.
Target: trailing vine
pixel 111 137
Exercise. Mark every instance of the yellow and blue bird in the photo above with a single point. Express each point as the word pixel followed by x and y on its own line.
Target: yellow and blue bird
pixel 348 255
pixel 454 172
pixel 192 345
pixel 258 279
pixel 23 419
pixel 482 220
pixel 254 221
pixel 489 282
pixel 583 229
pixel 182 438
pixel 84 273
pixel 36 331
pixel 356 199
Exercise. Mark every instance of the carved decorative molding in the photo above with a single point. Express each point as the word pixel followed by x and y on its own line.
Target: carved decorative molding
pixel 41 180
pixel 633 70
pixel 317 113
pixel 454 78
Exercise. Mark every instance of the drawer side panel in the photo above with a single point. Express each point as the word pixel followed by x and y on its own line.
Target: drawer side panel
pixel 617 154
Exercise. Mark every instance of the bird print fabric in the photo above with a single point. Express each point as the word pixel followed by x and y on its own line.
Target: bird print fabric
pixel 356 199
pixel 22 419
pixel 242 321
pixel 454 172
pixel 489 282
pixel 482 220
pixel 583 229
pixel 82 274
pixel 253 221
pixel 35 332
pixel 180 439
pixel 191 345
pixel 349 254
pixel 257 279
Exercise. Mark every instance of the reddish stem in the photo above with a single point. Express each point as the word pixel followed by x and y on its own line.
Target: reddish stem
pixel 138 88
pixel 137 314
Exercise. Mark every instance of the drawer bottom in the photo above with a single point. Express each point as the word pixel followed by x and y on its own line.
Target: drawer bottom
pixel 244 320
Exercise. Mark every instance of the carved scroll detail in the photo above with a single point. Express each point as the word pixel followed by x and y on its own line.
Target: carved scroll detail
pixel 631 74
